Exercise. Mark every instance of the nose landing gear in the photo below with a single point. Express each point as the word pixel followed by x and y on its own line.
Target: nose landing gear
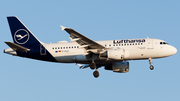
pixel 150 62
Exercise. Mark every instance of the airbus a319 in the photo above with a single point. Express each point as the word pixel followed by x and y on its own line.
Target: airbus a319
pixel 111 54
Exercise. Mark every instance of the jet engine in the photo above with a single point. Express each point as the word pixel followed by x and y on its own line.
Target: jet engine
pixel 116 54
pixel 120 67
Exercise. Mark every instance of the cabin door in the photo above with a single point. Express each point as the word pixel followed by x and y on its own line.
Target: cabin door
pixel 42 50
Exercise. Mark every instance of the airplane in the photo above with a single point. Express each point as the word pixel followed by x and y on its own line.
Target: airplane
pixel 113 55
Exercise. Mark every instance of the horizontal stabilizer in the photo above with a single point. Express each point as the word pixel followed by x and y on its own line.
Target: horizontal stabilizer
pixel 17 47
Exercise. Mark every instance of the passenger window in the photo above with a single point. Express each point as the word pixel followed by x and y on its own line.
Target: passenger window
pixel 160 42
pixel 77 46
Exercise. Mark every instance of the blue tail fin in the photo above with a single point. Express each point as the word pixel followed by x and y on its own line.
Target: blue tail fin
pixel 20 33
pixel 23 37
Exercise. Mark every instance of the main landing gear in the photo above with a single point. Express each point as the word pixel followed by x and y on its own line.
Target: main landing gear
pixel 150 62
pixel 93 66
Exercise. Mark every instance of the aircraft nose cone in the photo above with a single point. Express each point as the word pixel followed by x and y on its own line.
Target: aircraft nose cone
pixel 173 50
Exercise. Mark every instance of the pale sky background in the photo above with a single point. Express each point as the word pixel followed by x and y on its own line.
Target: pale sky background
pixel 23 79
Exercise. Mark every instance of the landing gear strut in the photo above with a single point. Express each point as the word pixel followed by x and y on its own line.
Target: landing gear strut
pixel 93 64
pixel 150 62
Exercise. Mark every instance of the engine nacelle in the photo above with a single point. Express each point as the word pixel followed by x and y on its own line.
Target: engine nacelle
pixel 116 54
pixel 120 67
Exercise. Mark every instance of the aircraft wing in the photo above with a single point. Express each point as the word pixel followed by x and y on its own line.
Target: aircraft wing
pixel 83 41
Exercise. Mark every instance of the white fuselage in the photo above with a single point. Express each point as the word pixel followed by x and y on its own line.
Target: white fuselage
pixel 70 52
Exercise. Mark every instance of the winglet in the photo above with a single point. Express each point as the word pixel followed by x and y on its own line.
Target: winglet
pixel 62 27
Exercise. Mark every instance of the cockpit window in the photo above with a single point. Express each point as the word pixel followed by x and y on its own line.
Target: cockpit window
pixel 163 43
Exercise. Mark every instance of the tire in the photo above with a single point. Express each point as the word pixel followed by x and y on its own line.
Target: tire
pixel 92 65
pixel 151 67
pixel 96 74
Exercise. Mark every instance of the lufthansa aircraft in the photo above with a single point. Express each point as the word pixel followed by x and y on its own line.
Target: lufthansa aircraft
pixel 112 54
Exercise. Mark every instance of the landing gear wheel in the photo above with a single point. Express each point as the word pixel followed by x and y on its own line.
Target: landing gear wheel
pixel 96 74
pixel 151 67
pixel 93 65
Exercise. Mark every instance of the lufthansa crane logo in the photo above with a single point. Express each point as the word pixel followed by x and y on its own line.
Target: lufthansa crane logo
pixel 21 36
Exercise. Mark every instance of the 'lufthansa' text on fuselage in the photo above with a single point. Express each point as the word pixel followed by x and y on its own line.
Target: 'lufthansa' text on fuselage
pixel 128 41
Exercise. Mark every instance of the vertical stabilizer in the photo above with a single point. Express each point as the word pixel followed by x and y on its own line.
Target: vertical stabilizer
pixel 20 33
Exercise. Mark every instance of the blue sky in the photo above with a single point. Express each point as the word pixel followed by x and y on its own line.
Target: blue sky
pixel 23 79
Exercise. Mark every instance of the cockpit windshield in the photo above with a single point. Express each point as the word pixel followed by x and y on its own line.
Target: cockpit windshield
pixel 163 43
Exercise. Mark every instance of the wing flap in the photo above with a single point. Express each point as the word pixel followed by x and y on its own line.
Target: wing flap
pixel 17 47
